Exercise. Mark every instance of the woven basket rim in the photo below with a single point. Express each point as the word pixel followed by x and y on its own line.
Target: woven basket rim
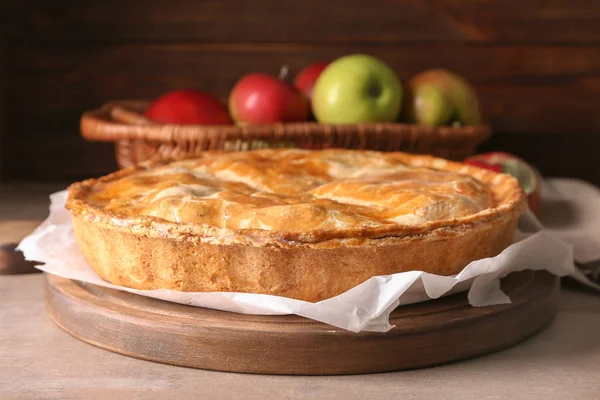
pixel 97 125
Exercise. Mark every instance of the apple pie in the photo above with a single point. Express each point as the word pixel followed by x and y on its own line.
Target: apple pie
pixel 304 224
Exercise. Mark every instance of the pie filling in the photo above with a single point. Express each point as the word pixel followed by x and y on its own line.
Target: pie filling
pixel 294 190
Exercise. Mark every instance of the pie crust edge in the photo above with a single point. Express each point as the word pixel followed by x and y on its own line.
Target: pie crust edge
pixel 144 253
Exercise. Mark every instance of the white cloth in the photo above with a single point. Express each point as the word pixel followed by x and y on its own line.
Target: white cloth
pixel 570 210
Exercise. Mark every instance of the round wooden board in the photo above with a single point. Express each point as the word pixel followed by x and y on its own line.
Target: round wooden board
pixel 426 334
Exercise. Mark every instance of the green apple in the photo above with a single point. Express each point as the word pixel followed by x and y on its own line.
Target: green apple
pixel 357 88
pixel 457 93
pixel 427 105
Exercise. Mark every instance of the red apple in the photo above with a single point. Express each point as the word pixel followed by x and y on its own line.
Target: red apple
pixel 305 80
pixel 483 164
pixel 527 175
pixel 263 99
pixel 188 107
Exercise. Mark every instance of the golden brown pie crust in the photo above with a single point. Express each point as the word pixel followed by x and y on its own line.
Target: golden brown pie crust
pixel 130 241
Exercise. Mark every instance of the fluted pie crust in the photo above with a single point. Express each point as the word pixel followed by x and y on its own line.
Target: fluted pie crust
pixel 296 223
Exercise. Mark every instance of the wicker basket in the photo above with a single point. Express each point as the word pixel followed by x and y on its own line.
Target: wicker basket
pixel 138 139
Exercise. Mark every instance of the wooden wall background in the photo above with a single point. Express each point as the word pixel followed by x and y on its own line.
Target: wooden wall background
pixel 535 63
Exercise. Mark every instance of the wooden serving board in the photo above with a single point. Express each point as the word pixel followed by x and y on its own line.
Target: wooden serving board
pixel 12 232
pixel 426 334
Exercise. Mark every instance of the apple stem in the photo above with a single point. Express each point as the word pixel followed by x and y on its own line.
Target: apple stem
pixel 283 72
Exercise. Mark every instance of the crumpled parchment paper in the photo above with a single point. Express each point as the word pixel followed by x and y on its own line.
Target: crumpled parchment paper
pixel 363 308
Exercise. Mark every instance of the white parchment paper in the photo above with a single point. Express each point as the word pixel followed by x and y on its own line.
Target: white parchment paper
pixel 363 308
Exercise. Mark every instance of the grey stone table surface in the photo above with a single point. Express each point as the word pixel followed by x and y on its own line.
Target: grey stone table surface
pixel 40 361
